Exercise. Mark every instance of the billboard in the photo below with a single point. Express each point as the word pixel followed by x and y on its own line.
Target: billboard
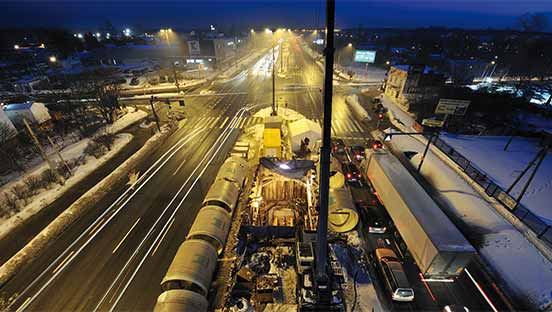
pixel 193 46
pixel 365 56
pixel 452 107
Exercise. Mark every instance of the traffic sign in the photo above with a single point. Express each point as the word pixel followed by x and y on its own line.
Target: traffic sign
pixel 433 122
pixel 452 107
pixel 365 56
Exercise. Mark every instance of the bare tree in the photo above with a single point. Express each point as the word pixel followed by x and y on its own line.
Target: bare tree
pixel 107 101
pixel 8 147
pixel 532 22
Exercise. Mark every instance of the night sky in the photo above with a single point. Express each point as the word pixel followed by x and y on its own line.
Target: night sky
pixel 87 15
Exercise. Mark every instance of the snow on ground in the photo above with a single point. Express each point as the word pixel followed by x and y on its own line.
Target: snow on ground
pixel 46 197
pixel 501 245
pixel 126 120
pixel 285 113
pixel 397 116
pixel 366 297
pixel 487 153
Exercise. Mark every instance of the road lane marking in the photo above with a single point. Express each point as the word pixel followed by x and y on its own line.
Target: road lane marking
pixel 64 260
pixel 179 166
pixel 119 245
pixel 360 129
pixel 241 122
pixel 171 151
pixel 96 227
pixel 227 132
pixel 162 237
pixel 224 122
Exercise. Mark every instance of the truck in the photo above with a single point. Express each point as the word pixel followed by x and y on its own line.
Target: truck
pixel 436 245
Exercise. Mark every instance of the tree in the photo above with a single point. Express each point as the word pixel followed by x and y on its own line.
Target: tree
pixel 8 148
pixel 107 101
pixel 532 22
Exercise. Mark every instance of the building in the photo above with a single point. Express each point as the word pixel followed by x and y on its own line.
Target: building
pixel 414 88
pixel 34 112
pixel 7 127
pixel 29 83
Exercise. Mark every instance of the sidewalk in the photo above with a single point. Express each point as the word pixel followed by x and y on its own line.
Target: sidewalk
pixel 506 247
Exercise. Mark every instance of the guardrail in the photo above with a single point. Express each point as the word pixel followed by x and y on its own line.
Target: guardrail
pixel 539 227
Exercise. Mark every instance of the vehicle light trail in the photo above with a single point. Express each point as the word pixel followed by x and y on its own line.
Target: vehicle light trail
pixel 175 148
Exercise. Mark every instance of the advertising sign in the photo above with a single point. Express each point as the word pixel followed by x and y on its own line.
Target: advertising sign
pixel 194 47
pixel 452 107
pixel 365 56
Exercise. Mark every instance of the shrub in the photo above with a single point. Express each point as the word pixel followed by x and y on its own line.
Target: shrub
pixel 10 203
pixel 94 149
pixel 106 140
pixel 33 184
pixel 21 192
pixel 48 177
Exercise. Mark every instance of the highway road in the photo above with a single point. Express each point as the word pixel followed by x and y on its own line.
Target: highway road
pixel 114 258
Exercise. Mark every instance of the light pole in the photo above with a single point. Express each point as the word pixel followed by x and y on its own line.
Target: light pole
pixel 166 32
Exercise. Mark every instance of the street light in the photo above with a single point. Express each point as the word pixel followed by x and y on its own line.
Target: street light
pixel 52 59
pixel 387 63
pixel 166 31
pixel 252 30
pixel 16 46
pixel 350 45
pixel 268 31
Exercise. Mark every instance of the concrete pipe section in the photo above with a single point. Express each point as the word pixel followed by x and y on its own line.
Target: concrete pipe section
pixel 222 193
pixel 192 267
pixel 180 300
pixel 342 214
pixel 233 169
pixel 211 224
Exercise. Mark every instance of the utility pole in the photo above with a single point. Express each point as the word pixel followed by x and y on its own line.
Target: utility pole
pixel 425 151
pixel 543 153
pixel 322 280
pixel 43 153
pixel 54 146
pixel 152 98
pixel 523 172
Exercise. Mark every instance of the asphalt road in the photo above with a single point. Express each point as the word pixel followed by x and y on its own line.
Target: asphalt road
pixel 114 257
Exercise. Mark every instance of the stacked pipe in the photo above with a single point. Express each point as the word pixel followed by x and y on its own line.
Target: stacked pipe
pixel 186 283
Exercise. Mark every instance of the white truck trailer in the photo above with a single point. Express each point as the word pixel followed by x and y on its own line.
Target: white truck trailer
pixel 437 246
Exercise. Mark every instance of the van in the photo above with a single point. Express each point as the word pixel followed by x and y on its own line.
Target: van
pixel 395 278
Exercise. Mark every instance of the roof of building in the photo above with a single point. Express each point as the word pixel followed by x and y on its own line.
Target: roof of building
pixel 18 106
pixel 406 67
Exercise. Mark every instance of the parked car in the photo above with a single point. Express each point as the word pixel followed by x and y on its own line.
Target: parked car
pixel 395 278
pixel 351 173
pixel 134 81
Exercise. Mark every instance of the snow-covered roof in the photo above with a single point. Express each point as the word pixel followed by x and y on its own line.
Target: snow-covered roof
pixel 18 106
pixel 406 68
